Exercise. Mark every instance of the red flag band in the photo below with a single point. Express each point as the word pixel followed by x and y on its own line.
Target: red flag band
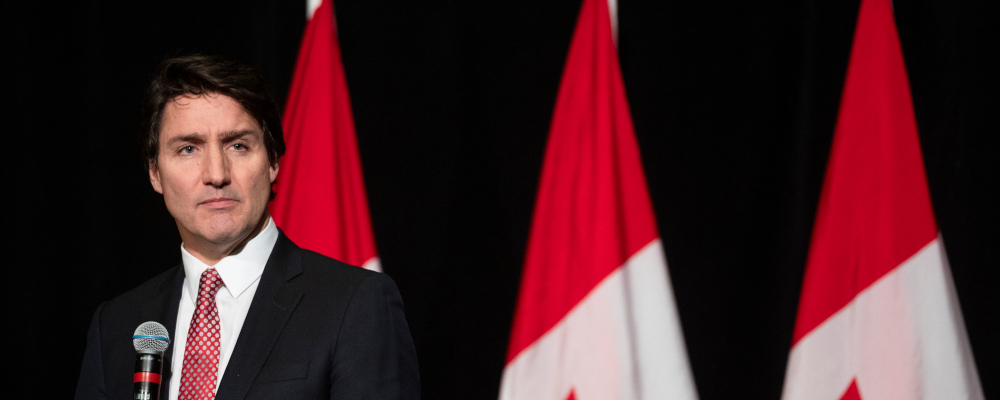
pixel 595 316
pixel 878 316
pixel 321 202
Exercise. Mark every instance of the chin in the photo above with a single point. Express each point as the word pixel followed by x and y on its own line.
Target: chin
pixel 225 237
pixel 226 232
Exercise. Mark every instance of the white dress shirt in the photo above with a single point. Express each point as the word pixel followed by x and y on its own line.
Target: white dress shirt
pixel 240 273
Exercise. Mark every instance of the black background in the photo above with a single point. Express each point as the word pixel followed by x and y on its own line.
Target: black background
pixel 734 107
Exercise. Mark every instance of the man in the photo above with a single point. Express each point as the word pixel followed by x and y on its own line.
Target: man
pixel 251 315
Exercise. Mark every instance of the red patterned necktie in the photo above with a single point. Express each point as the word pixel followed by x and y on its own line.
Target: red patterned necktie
pixel 201 353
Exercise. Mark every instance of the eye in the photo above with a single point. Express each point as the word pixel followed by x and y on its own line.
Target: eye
pixel 239 146
pixel 187 149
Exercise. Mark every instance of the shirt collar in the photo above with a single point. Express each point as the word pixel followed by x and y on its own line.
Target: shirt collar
pixel 238 271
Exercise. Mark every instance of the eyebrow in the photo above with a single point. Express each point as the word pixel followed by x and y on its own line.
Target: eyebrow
pixel 191 137
pixel 227 136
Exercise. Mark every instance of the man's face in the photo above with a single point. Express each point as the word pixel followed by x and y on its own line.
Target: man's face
pixel 212 169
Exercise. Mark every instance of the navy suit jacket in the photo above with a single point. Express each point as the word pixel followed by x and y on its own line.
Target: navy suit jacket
pixel 316 329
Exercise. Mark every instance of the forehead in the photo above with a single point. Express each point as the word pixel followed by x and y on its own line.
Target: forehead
pixel 208 114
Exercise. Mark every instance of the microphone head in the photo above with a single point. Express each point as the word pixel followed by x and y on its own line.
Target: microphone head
pixel 151 337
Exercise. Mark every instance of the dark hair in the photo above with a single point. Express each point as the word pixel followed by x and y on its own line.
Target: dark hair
pixel 202 74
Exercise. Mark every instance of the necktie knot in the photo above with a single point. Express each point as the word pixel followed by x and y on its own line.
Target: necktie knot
pixel 209 284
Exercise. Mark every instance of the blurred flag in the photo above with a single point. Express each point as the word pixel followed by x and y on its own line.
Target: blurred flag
pixel 595 315
pixel 878 317
pixel 321 203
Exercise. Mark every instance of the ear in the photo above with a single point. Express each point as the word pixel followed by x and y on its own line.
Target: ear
pixel 274 171
pixel 154 177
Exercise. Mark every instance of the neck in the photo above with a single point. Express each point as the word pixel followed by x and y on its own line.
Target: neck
pixel 211 253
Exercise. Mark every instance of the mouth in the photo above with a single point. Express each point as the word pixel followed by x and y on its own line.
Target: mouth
pixel 218 202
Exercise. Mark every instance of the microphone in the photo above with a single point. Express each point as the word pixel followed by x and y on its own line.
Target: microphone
pixel 150 340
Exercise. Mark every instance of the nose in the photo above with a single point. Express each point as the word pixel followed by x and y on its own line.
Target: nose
pixel 215 168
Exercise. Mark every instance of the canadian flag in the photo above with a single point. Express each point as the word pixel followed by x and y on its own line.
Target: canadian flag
pixel 321 203
pixel 595 316
pixel 878 316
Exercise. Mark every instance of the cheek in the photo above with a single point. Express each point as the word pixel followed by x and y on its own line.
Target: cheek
pixel 174 197
pixel 265 183
pixel 258 182
pixel 178 186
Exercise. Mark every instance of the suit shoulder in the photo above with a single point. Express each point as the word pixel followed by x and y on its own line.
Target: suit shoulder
pixel 135 297
pixel 322 267
pixel 327 275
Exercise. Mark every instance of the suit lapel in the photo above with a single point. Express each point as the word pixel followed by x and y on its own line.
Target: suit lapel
pixel 272 304
pixel 162 308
